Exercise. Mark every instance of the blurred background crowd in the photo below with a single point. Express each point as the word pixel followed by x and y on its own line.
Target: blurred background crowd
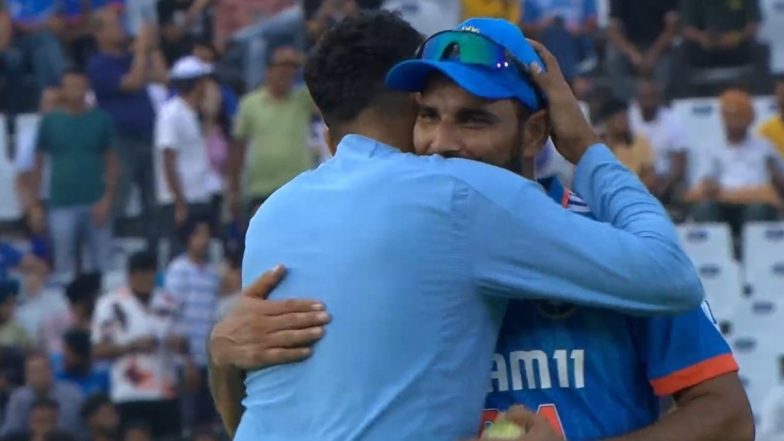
pixel 139 136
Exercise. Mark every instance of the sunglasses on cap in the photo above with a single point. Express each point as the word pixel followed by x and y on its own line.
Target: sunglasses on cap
pixel 469 48
pixel 475 49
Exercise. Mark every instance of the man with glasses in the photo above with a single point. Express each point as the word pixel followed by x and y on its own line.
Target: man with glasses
pixel 413 255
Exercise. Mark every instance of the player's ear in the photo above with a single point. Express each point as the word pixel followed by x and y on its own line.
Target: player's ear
pixel 536 130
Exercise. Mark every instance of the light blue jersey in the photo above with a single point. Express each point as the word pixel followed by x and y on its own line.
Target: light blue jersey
pixel 414 258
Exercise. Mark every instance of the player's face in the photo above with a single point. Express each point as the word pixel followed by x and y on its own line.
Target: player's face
pixel 648 96
pixel 618 124
pixel 74 88
pixel 453 123
pixel 735 122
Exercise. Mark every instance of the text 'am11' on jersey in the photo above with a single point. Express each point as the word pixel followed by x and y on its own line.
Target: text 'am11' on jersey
pixel 596 373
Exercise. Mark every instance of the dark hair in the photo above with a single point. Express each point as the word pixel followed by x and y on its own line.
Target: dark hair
pixel 59 435
pixel 190 225
pixel 93 404
pixel 207 44
pixel 9 288
pixel 142 261
pixel 45 403
pixel 185 86
pixel 79 342
pixel 611 107
pixel 74 71
pixel 84 287
pixel 346 70
pixel 136 425
pixel 234 259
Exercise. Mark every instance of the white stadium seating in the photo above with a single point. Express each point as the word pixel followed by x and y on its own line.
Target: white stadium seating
pixel 763 251
pixel 758 326
pixel 707 242
pixel 772 32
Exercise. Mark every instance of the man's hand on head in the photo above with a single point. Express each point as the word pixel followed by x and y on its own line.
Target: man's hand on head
pixel 259 333
pixel 572 133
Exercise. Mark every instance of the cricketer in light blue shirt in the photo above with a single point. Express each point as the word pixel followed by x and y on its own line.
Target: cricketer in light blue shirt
pixel 415 257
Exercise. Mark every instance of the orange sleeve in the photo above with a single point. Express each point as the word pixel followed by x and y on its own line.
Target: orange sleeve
pixel 694 374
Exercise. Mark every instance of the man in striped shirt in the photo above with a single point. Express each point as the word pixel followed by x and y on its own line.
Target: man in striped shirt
pixel 192 285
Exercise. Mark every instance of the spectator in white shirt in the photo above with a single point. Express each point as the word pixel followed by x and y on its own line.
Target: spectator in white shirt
pixel 186 181
pixel 133 328
pixel 668 140
pixel 738 184
pixel 192 283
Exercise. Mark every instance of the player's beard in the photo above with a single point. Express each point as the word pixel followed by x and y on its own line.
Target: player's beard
pixel 515 163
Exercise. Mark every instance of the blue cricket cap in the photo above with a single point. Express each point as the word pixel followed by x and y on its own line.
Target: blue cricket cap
pixel 484 82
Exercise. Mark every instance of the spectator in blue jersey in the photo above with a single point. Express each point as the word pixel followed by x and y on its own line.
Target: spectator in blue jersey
pixel 33 42
pixel 359 232
pixel 595 374
pixel 75 366
pixel 119 75
pixel 12 259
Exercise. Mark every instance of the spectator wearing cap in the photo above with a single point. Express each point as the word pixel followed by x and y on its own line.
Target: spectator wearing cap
pixel 101 418
pixel 12 334
pixel 40 383
pixel 632 149
pixel 186 181
pixel 81 293
pixel 78 144
pixel 738 182
pixel 76 364
pixel 133 329
pixel 192 285
pixel 119 75
pixel 271 134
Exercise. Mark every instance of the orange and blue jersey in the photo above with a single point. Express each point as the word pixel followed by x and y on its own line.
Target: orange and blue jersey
pixel 595 373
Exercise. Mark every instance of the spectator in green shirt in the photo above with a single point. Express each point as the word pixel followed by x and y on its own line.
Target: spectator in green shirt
pixel 271 134
pixel 77 142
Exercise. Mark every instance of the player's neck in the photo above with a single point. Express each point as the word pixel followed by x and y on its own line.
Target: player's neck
pixel 383 131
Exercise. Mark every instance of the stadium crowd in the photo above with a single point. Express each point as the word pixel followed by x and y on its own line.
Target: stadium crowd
pixel 172 121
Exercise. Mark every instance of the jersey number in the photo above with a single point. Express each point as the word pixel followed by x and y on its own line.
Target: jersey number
pixel 548 411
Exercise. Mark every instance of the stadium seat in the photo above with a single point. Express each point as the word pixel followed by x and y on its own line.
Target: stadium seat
pixel 701 116
pixel 723 287
pixel 772 32
pixel 763 251
pixel 114 280
pixel 9 209
pixel 758 326
pixel 706 242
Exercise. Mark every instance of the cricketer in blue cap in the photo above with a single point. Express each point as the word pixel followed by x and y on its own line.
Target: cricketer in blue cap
pixel 487 57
